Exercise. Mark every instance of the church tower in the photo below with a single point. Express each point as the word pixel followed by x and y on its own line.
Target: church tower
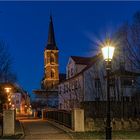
pixel 51 71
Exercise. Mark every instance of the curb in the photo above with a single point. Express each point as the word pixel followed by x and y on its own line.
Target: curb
pixel 62 127
pixel 23 132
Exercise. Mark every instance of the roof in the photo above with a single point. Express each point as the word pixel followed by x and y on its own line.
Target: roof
pixel 82 60
pixel 45 92
pixel 51 44
pixel 94 60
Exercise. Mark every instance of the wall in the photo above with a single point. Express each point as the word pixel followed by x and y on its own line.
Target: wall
pixel 71 93
pixel 99 124
pixel 93 73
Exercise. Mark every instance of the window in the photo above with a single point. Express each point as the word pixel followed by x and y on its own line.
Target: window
pixel 127 82
pixel 97 88
pixel 97 98
pixel 52 58
pixel 52 73
pixel 76 84
pixel 71 72
pixel 97 83
pixel 68 73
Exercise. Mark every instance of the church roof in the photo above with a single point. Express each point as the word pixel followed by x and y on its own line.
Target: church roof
pixel 51 44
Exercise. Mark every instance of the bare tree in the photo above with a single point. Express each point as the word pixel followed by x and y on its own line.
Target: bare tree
pixel 128 36
pixel 6 74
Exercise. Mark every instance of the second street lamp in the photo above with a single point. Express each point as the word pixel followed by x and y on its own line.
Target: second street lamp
pixel 108 51
pixel 8 90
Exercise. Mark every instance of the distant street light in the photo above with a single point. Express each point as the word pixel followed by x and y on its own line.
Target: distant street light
pixel 108 51
pixel 8 90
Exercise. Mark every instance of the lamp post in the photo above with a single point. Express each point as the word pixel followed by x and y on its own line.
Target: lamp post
pixel 108 51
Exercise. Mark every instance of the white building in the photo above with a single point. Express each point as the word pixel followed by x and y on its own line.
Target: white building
pixel 71 91
pixel 86 81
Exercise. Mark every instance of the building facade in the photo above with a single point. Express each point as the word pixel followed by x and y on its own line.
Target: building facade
pixel 72 90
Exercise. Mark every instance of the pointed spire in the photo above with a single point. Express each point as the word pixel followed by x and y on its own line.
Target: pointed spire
pixel 51 44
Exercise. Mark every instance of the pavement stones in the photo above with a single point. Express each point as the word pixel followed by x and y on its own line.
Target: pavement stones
pixel 42 130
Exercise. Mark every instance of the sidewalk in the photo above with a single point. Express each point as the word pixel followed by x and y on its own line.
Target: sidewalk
pixel 18 128
pixel 42 130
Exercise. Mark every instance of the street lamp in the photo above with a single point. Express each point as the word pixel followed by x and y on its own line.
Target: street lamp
pixel 108 51
pixel 8 90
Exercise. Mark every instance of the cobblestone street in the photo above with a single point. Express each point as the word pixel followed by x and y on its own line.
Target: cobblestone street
pixel 42 130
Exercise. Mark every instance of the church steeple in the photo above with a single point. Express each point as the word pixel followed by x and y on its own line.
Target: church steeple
pixel 51 44
pixel 51 65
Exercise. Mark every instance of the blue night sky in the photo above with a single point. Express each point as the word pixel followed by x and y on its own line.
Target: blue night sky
pixel 24 27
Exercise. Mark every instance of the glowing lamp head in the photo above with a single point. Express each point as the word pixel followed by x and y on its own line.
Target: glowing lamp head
pixel 7 89
pixel 108 50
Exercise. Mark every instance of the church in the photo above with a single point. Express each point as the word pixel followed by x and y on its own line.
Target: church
pixel 48 94
pixel 51 71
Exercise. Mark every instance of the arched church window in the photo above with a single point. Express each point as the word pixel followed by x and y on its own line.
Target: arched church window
pixel 52 58
pixel 52 73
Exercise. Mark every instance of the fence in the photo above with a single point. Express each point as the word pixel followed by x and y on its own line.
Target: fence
pixel 97 109
pixel 60 116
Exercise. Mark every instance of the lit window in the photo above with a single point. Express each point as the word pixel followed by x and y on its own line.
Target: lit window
pixel 52 58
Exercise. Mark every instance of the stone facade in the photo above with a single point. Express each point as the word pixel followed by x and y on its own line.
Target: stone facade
pixel 99 124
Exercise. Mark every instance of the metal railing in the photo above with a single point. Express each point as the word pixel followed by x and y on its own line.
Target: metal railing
pixel 60 116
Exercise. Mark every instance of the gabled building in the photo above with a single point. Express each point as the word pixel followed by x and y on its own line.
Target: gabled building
pixel 72 90
pixel 76 64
